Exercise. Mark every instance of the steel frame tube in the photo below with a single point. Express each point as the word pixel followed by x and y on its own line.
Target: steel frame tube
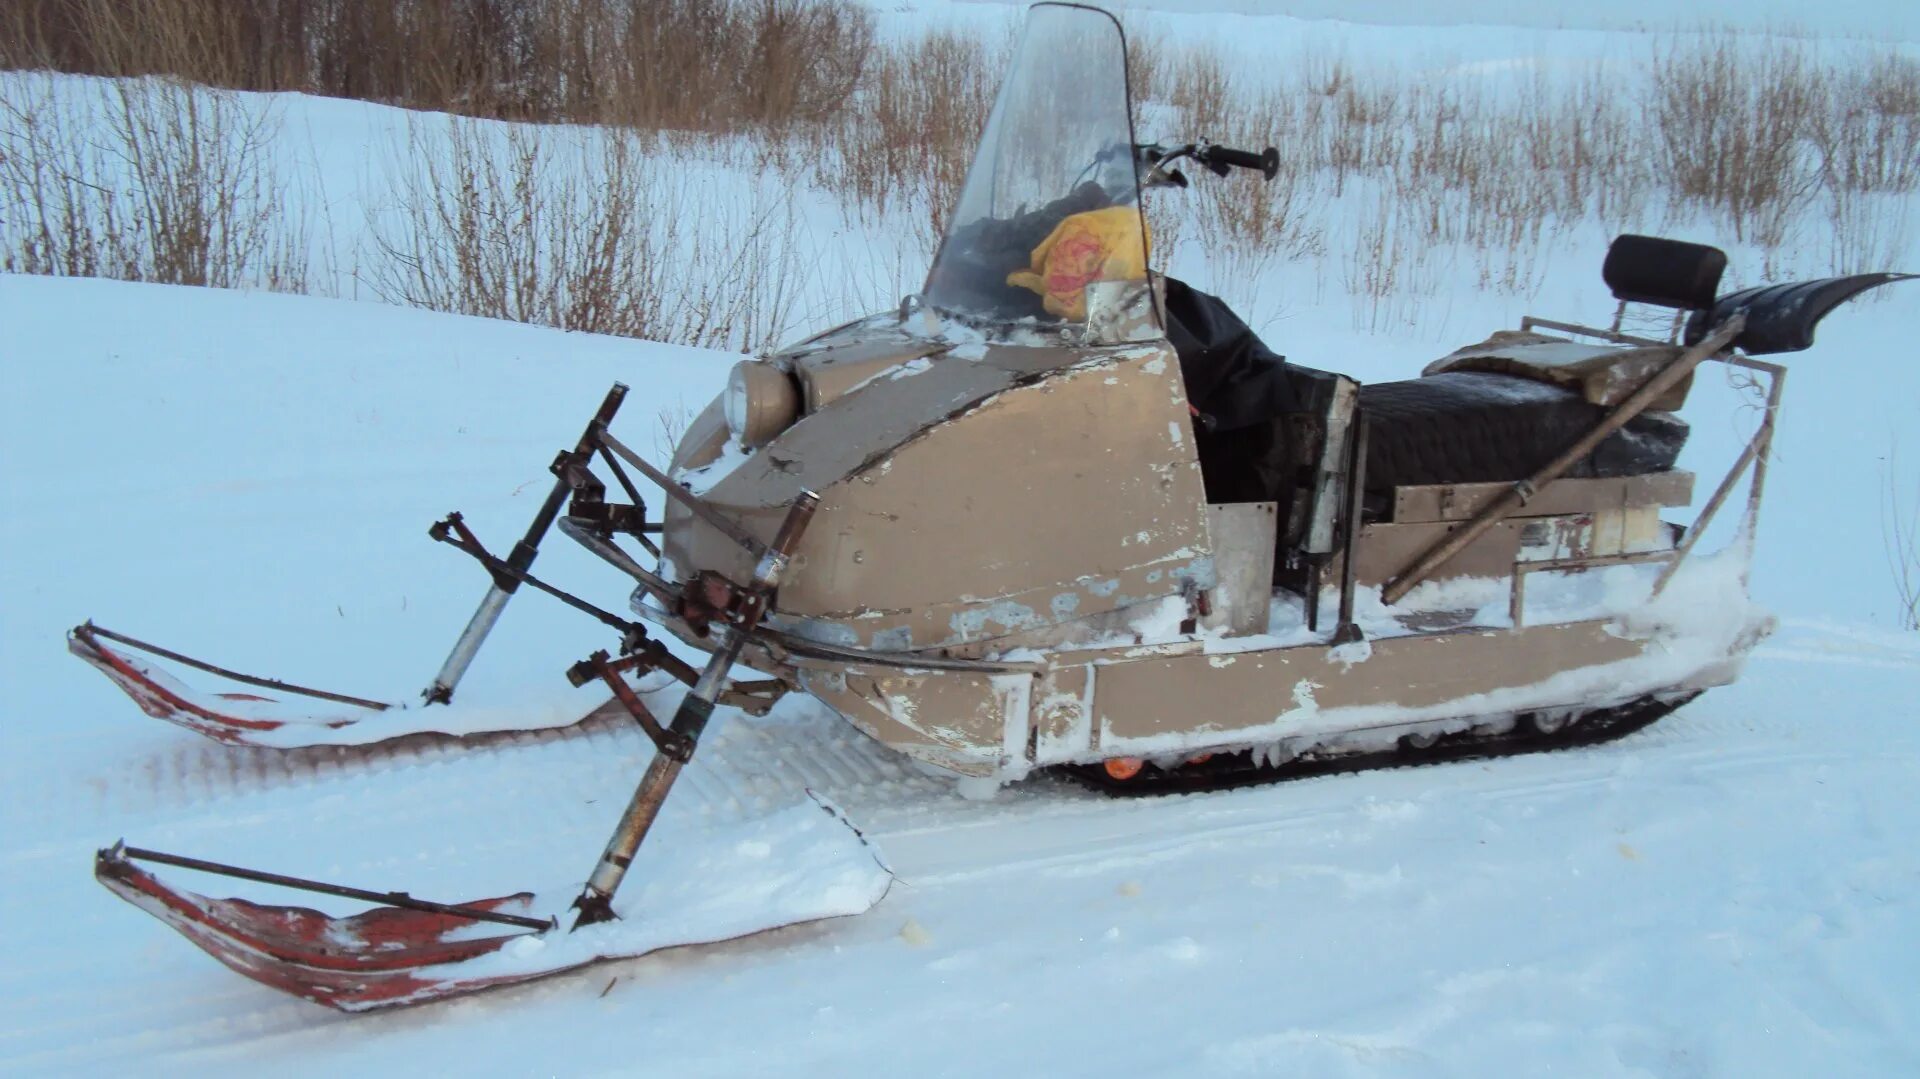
pixel 595 902
pixel 1345 631
pixel 495 601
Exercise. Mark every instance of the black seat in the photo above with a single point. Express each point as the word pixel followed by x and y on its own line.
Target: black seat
pixel 1476 427
pixel 1255 411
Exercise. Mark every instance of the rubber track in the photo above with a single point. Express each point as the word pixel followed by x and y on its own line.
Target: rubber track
pixel 1225 771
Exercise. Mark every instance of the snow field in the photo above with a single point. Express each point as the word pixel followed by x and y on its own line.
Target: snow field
pixel 1725 891
pixel 1732 891
pixel 1373 213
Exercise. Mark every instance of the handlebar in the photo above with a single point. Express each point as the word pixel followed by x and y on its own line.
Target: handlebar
pixel 1158 161
pixel 1267 161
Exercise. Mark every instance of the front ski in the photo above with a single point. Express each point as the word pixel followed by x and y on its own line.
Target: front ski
pixel 393 954
pixel 378 959
pixel 407 950
pixel 275 720
pixel 278 722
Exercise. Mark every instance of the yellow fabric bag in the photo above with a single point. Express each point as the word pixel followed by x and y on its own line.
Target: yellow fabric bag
pixel 1098 245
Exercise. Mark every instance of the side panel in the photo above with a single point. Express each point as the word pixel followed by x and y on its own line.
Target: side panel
pixel 1386 549
pixel 1244 536
pixel 1063 714
pixel 1284 691
pixel 1052 502
pixel 1461 501
pixel 957 721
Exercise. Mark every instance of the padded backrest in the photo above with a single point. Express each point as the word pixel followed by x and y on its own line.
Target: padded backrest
pixel 1666 273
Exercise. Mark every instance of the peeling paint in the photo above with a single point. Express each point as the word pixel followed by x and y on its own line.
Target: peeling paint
pixel 969 625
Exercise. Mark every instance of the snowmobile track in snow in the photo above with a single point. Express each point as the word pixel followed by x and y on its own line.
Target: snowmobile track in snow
pixel 932 837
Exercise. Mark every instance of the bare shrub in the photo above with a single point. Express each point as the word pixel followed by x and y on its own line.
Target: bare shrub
pixel 1387 268
pixel 710 65
pixel 1870 141
pixel 1900 530
pixel 904 143
pixel 1733 115
pixel 581 229
pixel 143 180
pixel 1147 62
pixel 1869 161
pixel 1201 87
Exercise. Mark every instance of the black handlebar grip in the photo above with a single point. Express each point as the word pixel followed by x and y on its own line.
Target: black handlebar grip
pixel 1268 161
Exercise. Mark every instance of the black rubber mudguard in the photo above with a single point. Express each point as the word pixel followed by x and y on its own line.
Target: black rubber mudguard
pixel 1781 318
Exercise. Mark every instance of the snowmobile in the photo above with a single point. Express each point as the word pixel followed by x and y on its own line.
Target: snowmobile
pixel 1060 513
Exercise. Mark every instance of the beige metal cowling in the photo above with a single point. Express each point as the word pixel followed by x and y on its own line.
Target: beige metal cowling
pixel 975 501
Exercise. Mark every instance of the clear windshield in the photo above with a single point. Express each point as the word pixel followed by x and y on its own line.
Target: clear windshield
pixel 1048 235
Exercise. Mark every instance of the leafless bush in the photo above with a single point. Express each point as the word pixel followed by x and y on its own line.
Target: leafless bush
pixel 1387 268
pixel 1432 169
pixel 904 143
pixel 710 65
pixel 581 229
pixel 1733 116
pixel 1900 529
pixel 1201 87
pixel 145 180
pixel 1870 141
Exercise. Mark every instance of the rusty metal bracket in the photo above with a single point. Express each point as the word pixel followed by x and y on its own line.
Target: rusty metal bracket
pixel 453 531
pixel 612 673
pixel 756 697
pixel 595 902
pixel 722 524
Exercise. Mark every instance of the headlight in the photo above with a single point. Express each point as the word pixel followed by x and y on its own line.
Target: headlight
pixel 761 401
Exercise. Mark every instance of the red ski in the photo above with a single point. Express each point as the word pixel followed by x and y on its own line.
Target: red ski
pixel 236 718
pixel 277 719
pixel 408 950
pixel 379 959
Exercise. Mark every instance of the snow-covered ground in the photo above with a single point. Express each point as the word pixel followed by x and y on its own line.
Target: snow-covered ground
pixel 249 477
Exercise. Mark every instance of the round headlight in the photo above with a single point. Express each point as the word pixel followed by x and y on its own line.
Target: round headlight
pixel 761 401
